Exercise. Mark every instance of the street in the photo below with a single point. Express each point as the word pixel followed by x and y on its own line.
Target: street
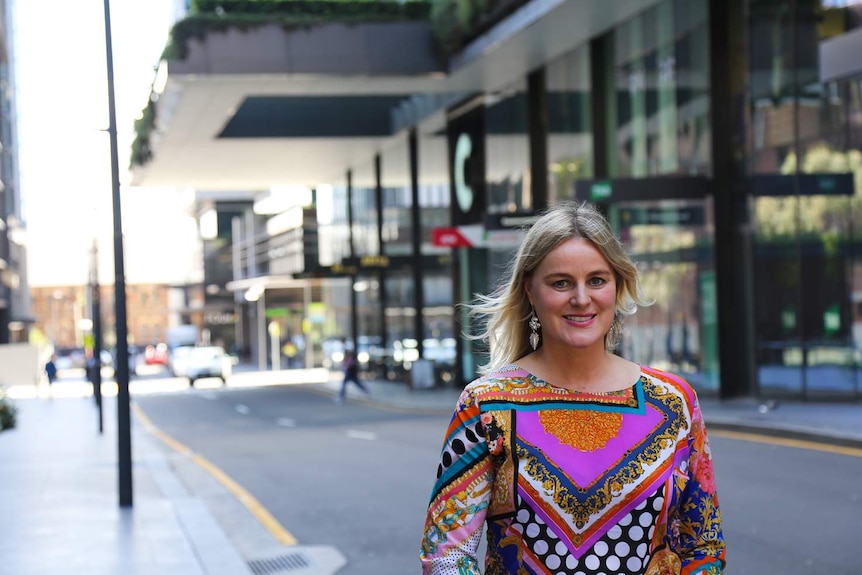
pixel 358 477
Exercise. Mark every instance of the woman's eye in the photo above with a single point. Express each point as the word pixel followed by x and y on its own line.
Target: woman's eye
pixel 597 281
pixel 560 284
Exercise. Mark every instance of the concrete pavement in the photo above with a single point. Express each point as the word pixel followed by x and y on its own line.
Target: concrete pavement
pixel 59 486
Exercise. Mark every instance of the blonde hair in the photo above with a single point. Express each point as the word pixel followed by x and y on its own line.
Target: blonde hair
pixel 507 310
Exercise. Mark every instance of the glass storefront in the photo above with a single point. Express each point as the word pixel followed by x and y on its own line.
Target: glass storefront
pixel 803 156
pixel 439 337
pixel 806 168
pixel 660 110
pixel 673 249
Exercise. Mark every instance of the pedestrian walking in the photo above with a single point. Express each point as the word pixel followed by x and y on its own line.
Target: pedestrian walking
pixel 51 369
pixel 350 366
pixel 570 457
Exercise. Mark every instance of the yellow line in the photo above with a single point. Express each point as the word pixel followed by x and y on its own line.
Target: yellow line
pixel 797 443
pixel 253 505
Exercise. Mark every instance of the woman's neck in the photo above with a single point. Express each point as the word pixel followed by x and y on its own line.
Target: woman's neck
pixel 593 370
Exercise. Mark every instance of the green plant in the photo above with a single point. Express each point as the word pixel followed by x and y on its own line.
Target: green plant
pixel 208 16
pixel 458 22
pixel 8 412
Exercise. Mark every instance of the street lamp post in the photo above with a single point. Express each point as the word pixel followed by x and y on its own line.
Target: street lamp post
pixel 124 432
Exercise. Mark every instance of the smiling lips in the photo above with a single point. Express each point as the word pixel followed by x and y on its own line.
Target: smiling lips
pixel 580 319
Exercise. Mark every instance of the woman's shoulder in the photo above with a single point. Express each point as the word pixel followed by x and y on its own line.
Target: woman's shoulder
pixel 500 377
pixel 667 379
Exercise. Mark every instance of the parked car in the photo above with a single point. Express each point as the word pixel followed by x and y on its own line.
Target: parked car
pixel 178 360
pixel 156 354
pixel 208 361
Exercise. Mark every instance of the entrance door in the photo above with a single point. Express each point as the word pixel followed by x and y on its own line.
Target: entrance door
pixel 670 241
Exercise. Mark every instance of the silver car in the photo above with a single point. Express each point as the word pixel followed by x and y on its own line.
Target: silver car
pixel 208 361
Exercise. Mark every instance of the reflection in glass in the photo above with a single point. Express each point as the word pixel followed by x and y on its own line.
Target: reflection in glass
pixel 672 246
pixel 570 138
pixel 507 168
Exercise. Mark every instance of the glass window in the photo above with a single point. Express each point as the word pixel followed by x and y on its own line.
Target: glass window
pixel 661 72
pixel 434 200
pixel 806 265
pixel 507 166
pixel 570 138
pixel 333 235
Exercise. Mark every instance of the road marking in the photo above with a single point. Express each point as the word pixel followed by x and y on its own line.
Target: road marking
pixel 286 422
pixel 257 510
pixel 785 442
pixel 367 435
pixel 243 409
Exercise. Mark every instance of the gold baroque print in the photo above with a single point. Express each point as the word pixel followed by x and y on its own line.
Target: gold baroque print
pixel 579 511
pixel 498 425
pixel 583 429
pixel 664 562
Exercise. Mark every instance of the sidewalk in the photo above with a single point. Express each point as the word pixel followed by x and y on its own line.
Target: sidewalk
pixel 59 486
pixel 59 495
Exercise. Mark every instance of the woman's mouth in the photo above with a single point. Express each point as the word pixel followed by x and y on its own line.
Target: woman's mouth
pixel 580 319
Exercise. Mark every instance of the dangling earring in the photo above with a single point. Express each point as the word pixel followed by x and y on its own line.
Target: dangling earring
pixel 612 340
pixel 535 325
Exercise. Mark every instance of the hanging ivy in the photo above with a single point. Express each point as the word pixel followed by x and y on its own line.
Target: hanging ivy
pixel 208 16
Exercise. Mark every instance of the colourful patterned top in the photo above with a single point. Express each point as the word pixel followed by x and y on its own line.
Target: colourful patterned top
pixel 573 482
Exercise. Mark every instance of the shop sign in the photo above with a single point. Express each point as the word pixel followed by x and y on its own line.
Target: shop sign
pixel 685 216
pixel 601 191
pixel 458 237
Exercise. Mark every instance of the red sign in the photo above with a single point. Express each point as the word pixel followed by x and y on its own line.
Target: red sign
pixel 449 238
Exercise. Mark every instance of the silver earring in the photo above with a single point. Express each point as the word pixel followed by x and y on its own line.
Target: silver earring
pixel 535 325
pixel 615 334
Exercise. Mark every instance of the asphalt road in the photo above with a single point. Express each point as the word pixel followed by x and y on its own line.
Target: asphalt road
pixel 359 478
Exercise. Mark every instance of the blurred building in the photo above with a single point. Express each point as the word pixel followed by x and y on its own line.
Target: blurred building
pixel 16 316
pixel 64 313
pixel 722 138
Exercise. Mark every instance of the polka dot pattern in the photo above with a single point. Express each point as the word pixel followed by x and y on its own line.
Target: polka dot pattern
pixel 623 549
pixel 466 440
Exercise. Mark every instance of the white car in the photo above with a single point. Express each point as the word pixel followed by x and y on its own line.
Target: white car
pixel 208 361
pixel 178 361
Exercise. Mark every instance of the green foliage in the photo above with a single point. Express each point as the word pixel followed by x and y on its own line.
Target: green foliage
pixel 141 150
pixel 819 219
pixel 8 412
pixel 219 15
pixel 459 22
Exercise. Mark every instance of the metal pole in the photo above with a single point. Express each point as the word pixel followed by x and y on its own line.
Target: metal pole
pixel 124 428
pixel 261 332
pixel 96 302
pixel 416 242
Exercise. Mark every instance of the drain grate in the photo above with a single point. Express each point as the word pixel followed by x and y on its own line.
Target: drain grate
pixel 279 564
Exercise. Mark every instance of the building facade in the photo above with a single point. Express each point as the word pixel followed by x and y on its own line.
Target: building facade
pixel 16 316
pixel 720 137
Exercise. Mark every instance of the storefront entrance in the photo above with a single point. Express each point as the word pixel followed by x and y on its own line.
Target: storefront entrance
pixel 671 240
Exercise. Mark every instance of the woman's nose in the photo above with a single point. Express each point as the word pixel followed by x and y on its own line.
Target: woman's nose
pixel 579 295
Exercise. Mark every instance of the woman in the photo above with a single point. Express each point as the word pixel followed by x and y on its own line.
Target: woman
pixel 577 460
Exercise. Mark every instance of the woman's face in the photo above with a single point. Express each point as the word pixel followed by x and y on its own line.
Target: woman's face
pixel 574 293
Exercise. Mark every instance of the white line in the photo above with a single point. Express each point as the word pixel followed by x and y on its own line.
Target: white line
pixel 243 409
pixel 367 435
pixel 286 422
